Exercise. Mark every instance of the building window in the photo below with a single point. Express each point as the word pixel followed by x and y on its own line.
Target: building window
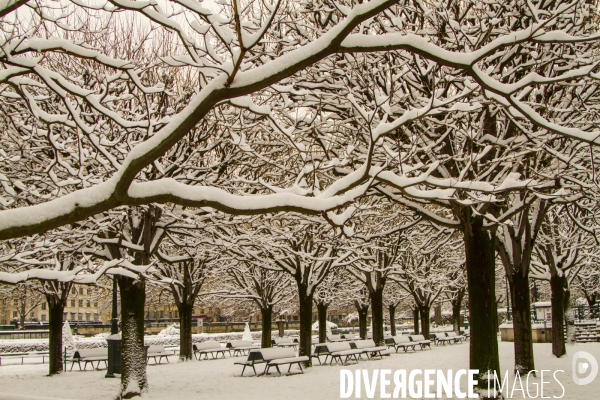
pixel 43 306
pixel 162 313
pixel 43 317
pixel 72 316
pixel 81 291
pixel 88 316
pixel 96 304
pixel 89 303
pixel 14 314
pixel 72 303
pixel 73 291
pixel 80 303
pixel 89 291
pixel 80 316
pixel 95 316
pixel 65 315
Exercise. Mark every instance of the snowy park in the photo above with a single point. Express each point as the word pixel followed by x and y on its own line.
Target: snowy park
pixel 303 199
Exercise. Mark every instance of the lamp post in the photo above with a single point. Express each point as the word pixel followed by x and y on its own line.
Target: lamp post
pixel 114 341
pixel 507 299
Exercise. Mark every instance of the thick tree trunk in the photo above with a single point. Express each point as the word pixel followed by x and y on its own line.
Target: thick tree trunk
pixel 55 311
pixel 134 381
pixel 569 317
pixel 377 316
pixel 557 286
pixel 322 318
pixel 267 324
pixel 185 331
pixel 306 303
pixel 480 263
pixel 521 306
pixel 416 321
pixel 392 311
pixel 362 320
pixel 456 306
pixel 424 313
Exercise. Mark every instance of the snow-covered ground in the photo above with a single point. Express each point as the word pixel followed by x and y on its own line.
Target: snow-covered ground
pixel 219 379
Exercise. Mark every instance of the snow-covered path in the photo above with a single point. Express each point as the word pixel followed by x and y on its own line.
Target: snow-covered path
pixel 219 379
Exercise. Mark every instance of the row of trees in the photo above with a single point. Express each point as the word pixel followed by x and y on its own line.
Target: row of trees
pixel 478 118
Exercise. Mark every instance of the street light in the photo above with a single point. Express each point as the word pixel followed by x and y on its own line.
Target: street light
pixel 507 299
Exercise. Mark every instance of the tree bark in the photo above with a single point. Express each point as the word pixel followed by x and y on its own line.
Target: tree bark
pixel 55 347
pixel 377 316
pixel 557 286
pixel 480 263
pixel 306 302
pixel 134 381
pixel 362 319
pixel 322 318
pixel 265 340
pixel 521 306
pixel 392 311
pixel 569 317
pixel 456 306
pixel 424 312
pixel 185 331
pixel 416 321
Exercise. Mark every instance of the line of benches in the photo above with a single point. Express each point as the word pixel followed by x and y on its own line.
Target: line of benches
pixel 349 350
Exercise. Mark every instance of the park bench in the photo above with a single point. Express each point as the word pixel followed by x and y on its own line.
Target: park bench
pixel 241 347
pixel 349 336
pixel 284 342
pixel 421 341
pixel 89 356
pixel 157 350
pixel 254 357
pixel 337 350
pixel 277 356
pixel 453 336
pixel 369 348
pixel 209 347
pixel 334 338
pixel 398 342
pixel 440 339
pixel 24 356
pixel 321 349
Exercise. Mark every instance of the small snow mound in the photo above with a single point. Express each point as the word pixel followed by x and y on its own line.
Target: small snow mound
pixel 171 330
pixel 329 325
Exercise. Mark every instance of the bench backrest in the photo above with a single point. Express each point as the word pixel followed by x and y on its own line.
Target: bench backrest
pixel 401 339
pixel 349 336
pixel 338 346
pixel 284 340
pixel 333 337
pixel 255 355
pixel 364 344
pixel 239 343
pixel 321 348
pixel 84 353
pixel 156 348
pixel 208 345
pixel 276 353
pixel 416 338
pixel 451 334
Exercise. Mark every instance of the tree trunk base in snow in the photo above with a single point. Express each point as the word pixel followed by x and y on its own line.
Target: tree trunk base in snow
pixel 134 381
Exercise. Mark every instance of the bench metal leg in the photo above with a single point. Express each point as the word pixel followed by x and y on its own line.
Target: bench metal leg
pixel 255 374
pixel 277 366
pixel 300 366
pixel 243 369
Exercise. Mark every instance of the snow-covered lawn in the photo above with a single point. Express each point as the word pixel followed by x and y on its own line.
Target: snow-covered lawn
pixel 219 379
